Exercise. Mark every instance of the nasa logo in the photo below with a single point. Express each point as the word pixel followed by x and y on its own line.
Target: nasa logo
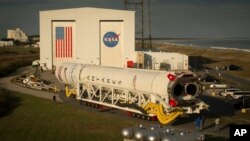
pixel 111 39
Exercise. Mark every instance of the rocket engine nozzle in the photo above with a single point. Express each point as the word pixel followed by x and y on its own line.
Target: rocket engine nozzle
pixel 184 92
pixel 191 89
pixel 185 88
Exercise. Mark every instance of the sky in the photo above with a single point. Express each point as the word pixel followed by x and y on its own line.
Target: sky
pixel 170 18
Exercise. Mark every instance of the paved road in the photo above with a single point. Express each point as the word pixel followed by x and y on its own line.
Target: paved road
pixel 241 82
pixel 6 83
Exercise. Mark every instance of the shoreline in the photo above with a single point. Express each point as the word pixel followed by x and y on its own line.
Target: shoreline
pixel 225 48
pixel 219 43
pixel 213 47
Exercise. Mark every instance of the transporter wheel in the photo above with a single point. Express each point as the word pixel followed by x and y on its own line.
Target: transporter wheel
pixel 96 106
pixel 80 102
pixel 138 116
pixel 128 113
pixel 134 114
pixel 143 117
pixel 149 118
pixel 87 104
pixel 228 96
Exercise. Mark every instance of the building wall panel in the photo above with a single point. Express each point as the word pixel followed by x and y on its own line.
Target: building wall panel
pixel 87 34
pixel 111 43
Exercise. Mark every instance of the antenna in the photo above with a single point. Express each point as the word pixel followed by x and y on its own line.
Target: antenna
pixel 141 7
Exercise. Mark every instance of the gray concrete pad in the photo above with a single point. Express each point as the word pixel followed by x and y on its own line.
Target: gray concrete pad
pixel 6 83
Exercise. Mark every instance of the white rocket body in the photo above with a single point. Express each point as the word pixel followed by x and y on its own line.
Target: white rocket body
pixel 168 85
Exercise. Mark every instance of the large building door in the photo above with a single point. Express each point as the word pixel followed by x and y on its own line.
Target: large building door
pixel 111 43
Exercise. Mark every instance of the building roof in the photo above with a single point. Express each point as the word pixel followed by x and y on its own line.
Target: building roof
pixel 87 9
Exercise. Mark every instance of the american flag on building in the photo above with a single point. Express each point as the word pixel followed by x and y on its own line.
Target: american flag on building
pixel 64 42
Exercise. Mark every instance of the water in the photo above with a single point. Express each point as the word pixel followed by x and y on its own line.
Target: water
pixel 234 44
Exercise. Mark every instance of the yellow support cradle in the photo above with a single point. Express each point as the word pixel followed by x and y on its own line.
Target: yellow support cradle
pixel 69 92
pixel 157 109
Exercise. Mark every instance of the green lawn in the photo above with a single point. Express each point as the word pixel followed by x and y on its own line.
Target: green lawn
pixel 32 118
pixel 12 58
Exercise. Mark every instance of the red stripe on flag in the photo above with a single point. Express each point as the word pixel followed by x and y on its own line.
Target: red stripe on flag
pixel 66 42
pixel 70 42
pixel 61 48
pixel 70 46
pixel 56 49
pixel 63 45
pixel 67 49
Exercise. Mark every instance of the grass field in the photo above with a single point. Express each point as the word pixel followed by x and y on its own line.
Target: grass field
pixel 24 117
pixel 31 118
pixel 13 57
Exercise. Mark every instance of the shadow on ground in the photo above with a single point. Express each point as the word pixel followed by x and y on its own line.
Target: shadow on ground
pixel 215 138
pixel 198 62
pixel 8 103
pixel 217 108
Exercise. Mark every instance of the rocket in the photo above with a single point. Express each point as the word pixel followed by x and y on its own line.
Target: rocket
pixel 165 94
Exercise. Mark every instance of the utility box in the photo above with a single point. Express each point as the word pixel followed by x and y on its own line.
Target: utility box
pixel 140 59
pixel 88 36
pixel 130 64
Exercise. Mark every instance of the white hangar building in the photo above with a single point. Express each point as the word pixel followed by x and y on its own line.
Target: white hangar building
pixel 87 35
pixel 98 36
